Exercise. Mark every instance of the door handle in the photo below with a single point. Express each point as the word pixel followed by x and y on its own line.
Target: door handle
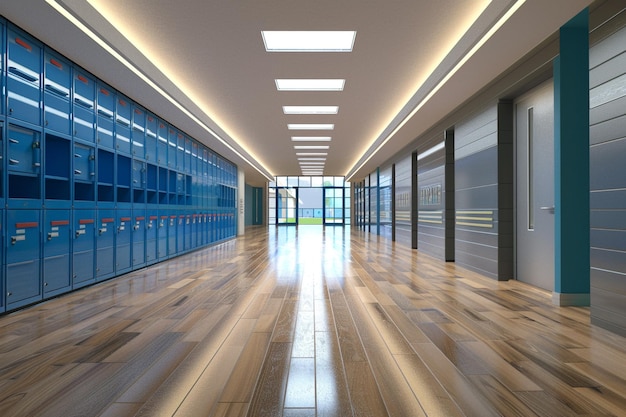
pixel 547 208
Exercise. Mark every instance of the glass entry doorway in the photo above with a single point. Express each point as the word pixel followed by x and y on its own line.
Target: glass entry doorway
pixel 333 206
pixel 287 206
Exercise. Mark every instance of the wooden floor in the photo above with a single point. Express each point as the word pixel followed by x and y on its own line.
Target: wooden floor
pixel 302 322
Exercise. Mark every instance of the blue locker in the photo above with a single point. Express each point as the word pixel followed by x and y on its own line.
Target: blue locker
pixel 123 247
pixel 162 144
pixel 123 126
pixel 2 112
pixel 139 238
pixel 23 78
pixel 57 87
pixel 56 252
pixel 84 162
pixel 105 244
pixel 122 139
pixel 23 257
pixel 188 152
pixel 84 251
pixel 180 152
pixel 58 168
pixel 139 174
pixel 83 108
pixel 106 112
pixel 152 236
pixel 188 231
pixel 138 132
pixel 123 112
pixel 162 238
pixel 151 139
pixel 24 150
pixel 23 163
pixel 180 232
pixel 172 234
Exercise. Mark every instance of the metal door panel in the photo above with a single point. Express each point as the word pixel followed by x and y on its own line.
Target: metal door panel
pixel 56 251
pixel 105 244
pixel 535 187
pixel 84 247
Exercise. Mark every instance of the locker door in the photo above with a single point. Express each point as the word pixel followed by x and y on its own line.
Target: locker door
pixel 84 104
pixel 139 239
pixel 57 86
pixel 172 238
pixel 180 232
pixel 105 244
pixel 2 282
pixel 123 126
pixel 23 255
pixel 84 247
pixel 123 258
pixel 162 144
pixel 151 139
pixel 56 252
pixel 24 150
pixel 23 78
pixel 152 229
pixel 188 232
pixel 106 111
pixel 138 132
pixel 162 236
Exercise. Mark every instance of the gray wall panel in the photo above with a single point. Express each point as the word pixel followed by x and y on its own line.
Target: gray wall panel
pixel 473 198
pixel 477 169
pixel 431 176
pixel 614 240
pixel 608 130
pixel 607 111
pixel 609 167
pixel 608 219
pixel 607 259
pixel 488 267
pixel 607 199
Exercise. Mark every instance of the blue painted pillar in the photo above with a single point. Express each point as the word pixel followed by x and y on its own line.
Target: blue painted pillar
pixel 571 154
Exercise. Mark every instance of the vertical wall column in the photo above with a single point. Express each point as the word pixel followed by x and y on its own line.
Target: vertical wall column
pixel 571 154
pixel 241 202
pixel 393 202
pixel 506 190
pixel 449 213
pixel 414 200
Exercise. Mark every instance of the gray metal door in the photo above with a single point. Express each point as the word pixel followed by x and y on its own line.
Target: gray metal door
pixel 535 187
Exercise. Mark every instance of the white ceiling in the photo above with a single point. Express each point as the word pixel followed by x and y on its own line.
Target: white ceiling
pixel 208 55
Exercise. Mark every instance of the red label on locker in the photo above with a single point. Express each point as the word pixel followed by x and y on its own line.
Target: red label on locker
pixel 26 225
pixel 23 44
pixel 59 222
pixel 108 220
pixel 86 221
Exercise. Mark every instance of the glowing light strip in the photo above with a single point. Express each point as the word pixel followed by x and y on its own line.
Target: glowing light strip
pixel 69 16
pixel 444 80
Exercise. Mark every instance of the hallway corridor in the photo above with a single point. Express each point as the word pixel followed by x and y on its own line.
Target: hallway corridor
pixel 302 322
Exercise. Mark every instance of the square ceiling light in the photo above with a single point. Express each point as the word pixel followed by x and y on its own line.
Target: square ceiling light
pixel 310 109
pixel 310 126
pixel 311 154
pixel 308 41
pixel 310 84
pixel 311 138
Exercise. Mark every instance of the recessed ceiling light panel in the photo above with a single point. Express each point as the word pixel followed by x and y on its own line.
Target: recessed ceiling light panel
pixel 311 138
pixel 310 84
pixel 311 154
pixel 311 146
pixel 310 109
pixel 308 41
pixel 310 126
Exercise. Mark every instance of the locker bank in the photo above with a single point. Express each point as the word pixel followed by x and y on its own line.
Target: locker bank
pixel 93 184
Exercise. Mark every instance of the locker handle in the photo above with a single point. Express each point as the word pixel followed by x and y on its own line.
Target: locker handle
pixel 57 90
pixel 105 112
pixel 11 140
pixel 23 74
pixel 85 103
pixel 78 172
pixel 77 155
pixel 13 161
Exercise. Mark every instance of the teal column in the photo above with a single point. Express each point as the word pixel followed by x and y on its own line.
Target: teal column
pixel 571 154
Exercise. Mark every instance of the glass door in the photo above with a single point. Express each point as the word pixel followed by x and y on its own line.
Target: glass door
pixel 333 206
pixel 286 206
